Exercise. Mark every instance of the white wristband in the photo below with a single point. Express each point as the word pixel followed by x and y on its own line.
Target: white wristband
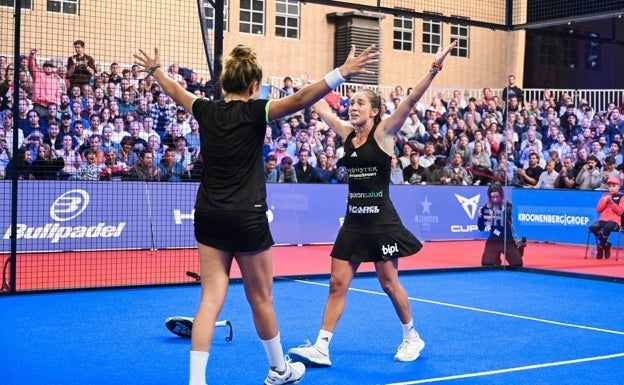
pixel 334 79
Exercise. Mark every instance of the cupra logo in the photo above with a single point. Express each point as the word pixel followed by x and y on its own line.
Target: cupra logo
pixel 469 204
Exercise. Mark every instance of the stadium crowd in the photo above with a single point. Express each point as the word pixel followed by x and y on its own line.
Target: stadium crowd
pixel 74 123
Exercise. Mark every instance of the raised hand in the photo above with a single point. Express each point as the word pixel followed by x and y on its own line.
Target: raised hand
pixel 355 65
pixel 442 53
pixel 145 61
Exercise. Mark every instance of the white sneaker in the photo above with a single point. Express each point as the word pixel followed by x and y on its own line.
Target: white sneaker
pixel 291 375
pixel 309 355
pixel 409 350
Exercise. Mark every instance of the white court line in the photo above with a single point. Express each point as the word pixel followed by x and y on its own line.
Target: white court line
pixel 498 371
pixel 508 370
pixel 479 310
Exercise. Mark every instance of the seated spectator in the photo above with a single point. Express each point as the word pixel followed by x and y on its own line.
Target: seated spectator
pixel 437 172
pixel 404 159
pixel 71 158
pixel 480 165
pixel 20 165
pixel 170 170
pixel 506 171
pixel 47 165
pixel 456 173
pixel 270 170
pixel 567 175
pixel 529 174
pixel 429 157
pixel 548 177
pixel 608 171
pixel 88 170
pixel 286 172
pixel 112 169
pixel 610 207
pixel 126 153
pixel 304 170
pixel 589 176
pixel 414 173
pixel 281 150
pixel 144 169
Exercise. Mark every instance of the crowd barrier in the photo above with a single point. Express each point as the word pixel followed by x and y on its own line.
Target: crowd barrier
pixel 63 216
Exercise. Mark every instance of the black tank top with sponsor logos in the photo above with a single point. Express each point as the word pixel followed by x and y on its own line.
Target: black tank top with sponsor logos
pixel 369 208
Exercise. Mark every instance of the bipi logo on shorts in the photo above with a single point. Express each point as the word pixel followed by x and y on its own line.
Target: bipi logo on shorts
pixel 389 249
pixel 66 207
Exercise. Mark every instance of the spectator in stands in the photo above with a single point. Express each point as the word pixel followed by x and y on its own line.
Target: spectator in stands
pixel 80 67
pixel 567 174
pixel 456 174
pixel 609 170
pixel 47 164
pixel 480 165
pixel 496 216
pixel 280 151
pixel 462 148
pixel 304 170
pixel 45 88
pixel 404 160
pixel 548 177
pixel 89 170
pixel 427 159
pixel 126 154
pixel 7 124
pixel 589 176
pixel 192 138
pixel 19 165
pixel 610 207
pixel 144 169
pixel 286 173
pixel 5 156
pixel 162 113
pixel 270 169
pixel 112 169
pixel 170 170
pixel 529 174
pixel 414 173
pixel 396 172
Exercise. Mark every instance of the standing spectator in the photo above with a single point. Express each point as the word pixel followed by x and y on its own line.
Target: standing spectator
pixel 80 67
pixel 496 216
pixel 162 113
pixel 45 87
pixel 233 186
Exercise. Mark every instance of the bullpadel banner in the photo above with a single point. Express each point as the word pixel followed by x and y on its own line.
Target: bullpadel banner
pixel 64 216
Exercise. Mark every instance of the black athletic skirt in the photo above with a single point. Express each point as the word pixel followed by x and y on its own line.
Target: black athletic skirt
pixel 357 246
pixel 233 230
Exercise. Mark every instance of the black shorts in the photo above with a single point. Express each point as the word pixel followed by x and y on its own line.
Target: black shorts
pixel 233 230
pixel 355 246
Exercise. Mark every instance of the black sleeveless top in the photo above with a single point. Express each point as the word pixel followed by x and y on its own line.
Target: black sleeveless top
pixel 369 202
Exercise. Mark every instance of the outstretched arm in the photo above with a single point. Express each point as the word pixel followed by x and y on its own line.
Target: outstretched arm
pixel 339 126
pixel 152 65
pixel 393 123
pixel 353 66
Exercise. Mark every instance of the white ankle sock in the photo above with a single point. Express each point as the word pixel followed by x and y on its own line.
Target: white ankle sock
pixel 198 363
pixel 409 331
pixel 275 353
pixel 323 340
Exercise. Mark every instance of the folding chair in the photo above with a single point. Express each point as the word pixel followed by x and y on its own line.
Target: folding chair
pixel 620 230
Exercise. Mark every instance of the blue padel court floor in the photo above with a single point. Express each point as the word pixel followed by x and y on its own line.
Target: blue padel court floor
pixel 480 327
